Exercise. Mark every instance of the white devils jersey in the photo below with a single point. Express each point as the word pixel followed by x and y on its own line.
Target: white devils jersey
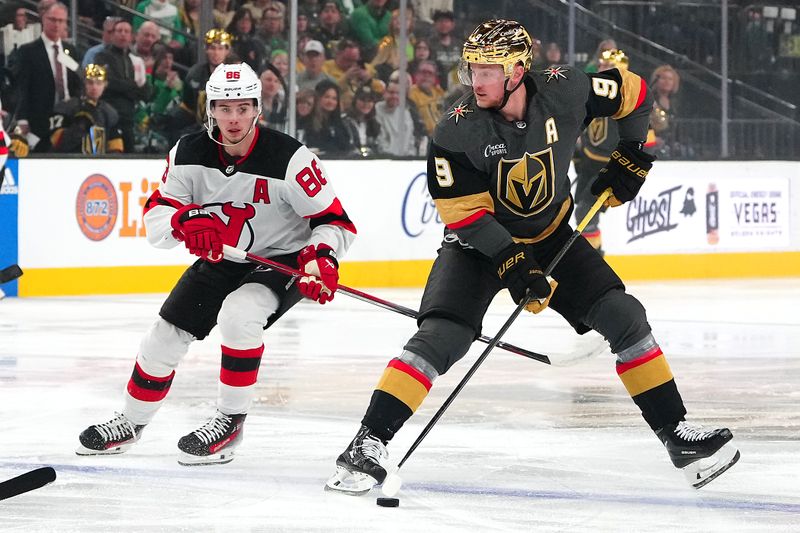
pixel 3 145
pixel 275 200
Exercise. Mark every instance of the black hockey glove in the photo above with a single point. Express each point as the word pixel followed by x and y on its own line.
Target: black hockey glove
pixel 625 173
pixel 519 272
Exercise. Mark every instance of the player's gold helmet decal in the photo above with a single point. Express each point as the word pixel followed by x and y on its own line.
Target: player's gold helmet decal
pixel 498 42
pixel 616 58
pixel 527 185
pixel 94 72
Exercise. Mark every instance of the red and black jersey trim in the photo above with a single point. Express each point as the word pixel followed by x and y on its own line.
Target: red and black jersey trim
pixel 147 388
pixel 269 155
pixel 224 159
pixel 156 199
pixel 474 217
pixel 334 215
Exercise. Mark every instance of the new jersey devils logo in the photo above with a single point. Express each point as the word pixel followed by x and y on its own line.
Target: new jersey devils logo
pixel 236 220
pixel 527 185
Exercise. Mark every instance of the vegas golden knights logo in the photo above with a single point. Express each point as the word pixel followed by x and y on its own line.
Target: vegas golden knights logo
pixel 597 131
pixel 94 142
pixel 527 185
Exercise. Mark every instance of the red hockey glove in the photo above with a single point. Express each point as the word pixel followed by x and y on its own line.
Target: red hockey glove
pixel 625 173
pixel 200 232
pixel 522 275
pixel 323 269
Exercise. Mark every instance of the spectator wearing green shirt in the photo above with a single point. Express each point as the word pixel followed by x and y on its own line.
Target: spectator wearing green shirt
pixel 166 14
pixel 167 84
pixel 370 24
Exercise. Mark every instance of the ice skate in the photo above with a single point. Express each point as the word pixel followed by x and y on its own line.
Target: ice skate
pixel 702 454
pixel 114 436
pixel 358 469
pixel 212 443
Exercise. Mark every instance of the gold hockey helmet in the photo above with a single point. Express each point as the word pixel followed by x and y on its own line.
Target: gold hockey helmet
pixel 218 36
pixel 498 42
pixel 95 72
pixel 615 57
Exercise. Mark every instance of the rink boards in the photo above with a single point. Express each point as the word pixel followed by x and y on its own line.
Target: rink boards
pixel 75 225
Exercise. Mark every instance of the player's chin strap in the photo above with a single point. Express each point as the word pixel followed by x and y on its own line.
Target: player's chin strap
pixel 507 94
pixel 210 131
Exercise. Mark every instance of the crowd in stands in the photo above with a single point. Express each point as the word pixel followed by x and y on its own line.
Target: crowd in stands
pixel 348 99
pixel 151 81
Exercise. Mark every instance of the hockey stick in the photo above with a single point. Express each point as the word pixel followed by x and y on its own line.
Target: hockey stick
pixel 10 274
pixel 35 479
pixel 230 251
pixel 393 481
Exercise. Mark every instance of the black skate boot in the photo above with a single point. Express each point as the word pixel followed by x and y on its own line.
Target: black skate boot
pixel 358 469
pixel 213 442
pixel 702 454
pixel 114 436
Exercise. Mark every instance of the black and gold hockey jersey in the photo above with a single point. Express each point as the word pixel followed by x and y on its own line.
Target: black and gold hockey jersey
pixel 81 125
pixel 484 170
pixel 599 139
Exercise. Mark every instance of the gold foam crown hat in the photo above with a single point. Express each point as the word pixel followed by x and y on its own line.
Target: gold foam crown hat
pixel 218 36
pixel 95 72
pixel 615 57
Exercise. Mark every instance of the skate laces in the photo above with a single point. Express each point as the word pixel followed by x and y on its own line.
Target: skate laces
pixel 118 428
pixel 214 428
pixel 372 448
pixel 691 432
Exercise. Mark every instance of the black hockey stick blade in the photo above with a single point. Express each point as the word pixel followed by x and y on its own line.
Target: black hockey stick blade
pixel 10 273
pixel 35 479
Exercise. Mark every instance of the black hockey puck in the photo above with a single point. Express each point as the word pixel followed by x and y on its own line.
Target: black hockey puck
pixel 388 502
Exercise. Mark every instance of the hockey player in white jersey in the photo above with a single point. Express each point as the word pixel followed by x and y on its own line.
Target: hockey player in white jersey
pixel 249 187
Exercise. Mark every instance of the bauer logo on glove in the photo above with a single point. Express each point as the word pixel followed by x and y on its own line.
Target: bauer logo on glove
pixel 522 276
pixel 200 231
pixel 625 173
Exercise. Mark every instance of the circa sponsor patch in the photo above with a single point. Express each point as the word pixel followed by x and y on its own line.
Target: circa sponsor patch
pixel 495 149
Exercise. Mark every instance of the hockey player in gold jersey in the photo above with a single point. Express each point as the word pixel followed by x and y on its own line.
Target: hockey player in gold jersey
pixel 497 172
pixel 595 145
pixel 86 125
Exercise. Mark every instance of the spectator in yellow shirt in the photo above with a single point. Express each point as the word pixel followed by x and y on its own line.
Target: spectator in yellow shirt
pixel 350 72
pixel 427 95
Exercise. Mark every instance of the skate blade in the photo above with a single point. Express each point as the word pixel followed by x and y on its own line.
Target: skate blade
pixel 702 472
pixel 187 459
pixel 122 448
pixel 350 483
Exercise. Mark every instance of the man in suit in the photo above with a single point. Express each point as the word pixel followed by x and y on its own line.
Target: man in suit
pixel 46 73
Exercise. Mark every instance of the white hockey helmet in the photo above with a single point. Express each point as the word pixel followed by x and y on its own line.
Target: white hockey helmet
pixel 232 82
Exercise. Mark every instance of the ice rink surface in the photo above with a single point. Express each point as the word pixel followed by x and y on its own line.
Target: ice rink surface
pixel 525 447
